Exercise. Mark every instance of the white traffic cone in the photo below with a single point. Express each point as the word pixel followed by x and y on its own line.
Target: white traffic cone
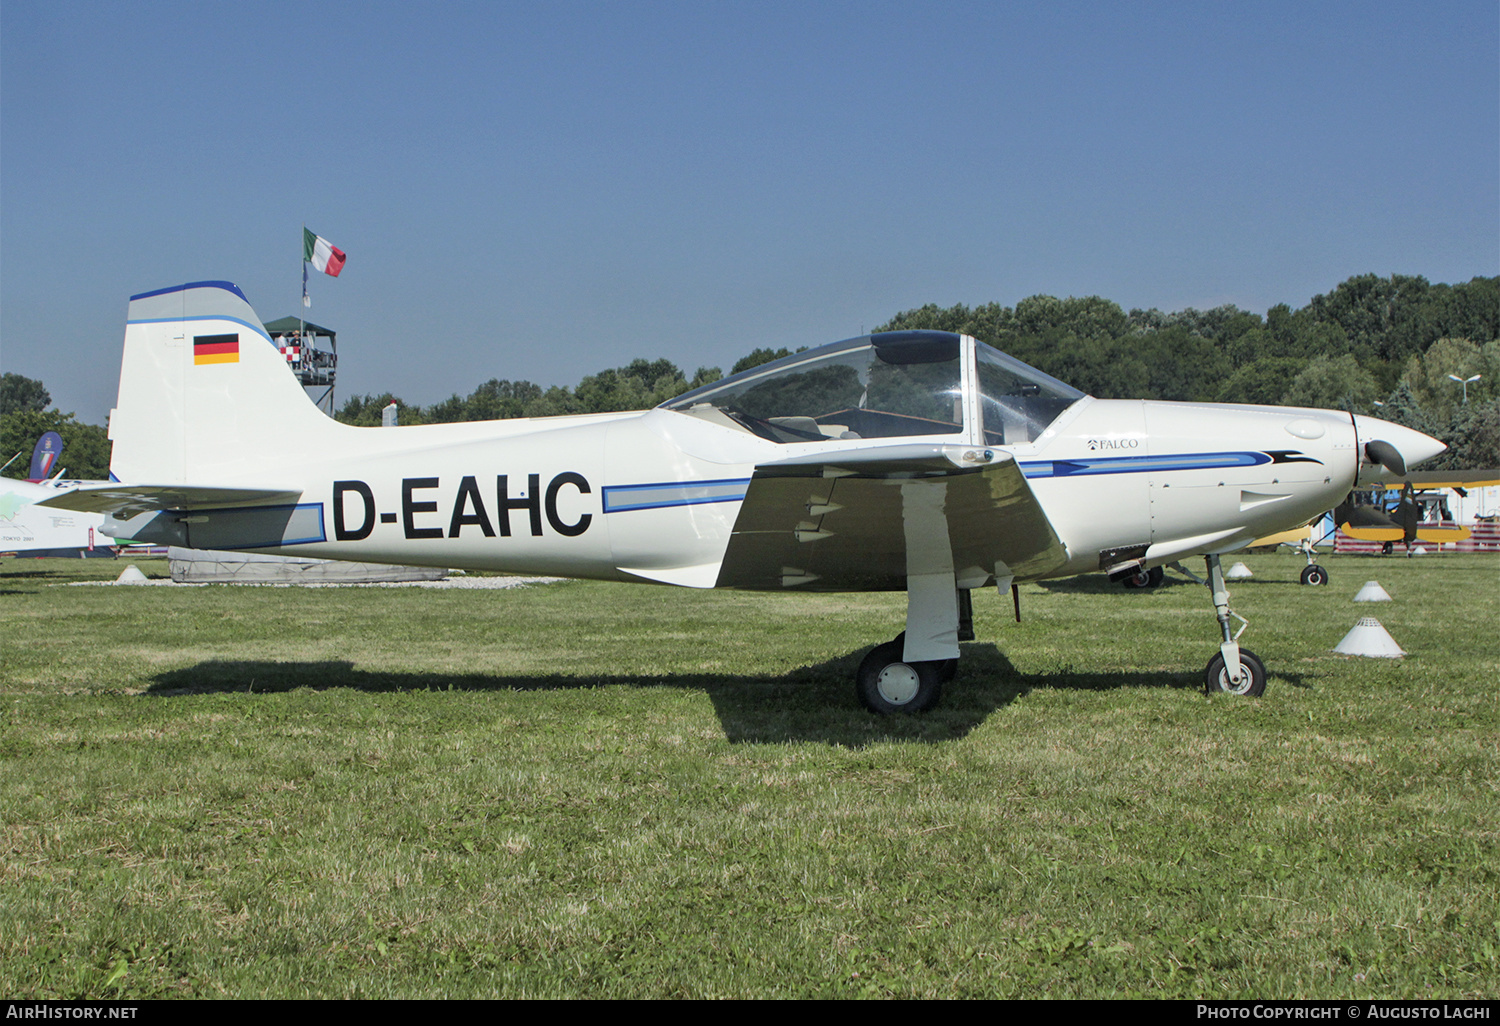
pixel 131 575
pixel 1238 572
pixel 1368 638
pixel 1372 592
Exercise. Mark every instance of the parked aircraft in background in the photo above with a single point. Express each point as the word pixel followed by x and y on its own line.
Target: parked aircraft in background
pixel 32 530
pixel 1419 513
pixel 27 529
pixel 916 461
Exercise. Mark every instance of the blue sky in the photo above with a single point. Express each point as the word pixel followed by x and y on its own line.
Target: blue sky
pixel 543 190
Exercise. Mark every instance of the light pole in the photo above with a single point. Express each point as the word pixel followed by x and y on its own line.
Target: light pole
pixel 1465 382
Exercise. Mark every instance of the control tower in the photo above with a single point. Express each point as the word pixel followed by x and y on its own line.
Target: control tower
pixel 312 353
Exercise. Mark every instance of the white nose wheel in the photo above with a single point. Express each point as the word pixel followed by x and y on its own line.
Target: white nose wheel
pixel 888 684
pixel 898 684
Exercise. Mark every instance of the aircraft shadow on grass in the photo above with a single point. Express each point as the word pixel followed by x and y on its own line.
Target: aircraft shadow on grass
pixel 1098 584
pixel 27 576
pixel 810 703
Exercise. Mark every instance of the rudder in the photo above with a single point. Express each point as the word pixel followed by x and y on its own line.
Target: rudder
pixel 204 393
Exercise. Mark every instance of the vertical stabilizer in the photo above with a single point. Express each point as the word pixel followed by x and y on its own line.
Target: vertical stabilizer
pixel 205 397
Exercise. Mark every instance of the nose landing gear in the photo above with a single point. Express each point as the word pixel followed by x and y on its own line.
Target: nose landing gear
pixel 1314 574
pixel 1235 670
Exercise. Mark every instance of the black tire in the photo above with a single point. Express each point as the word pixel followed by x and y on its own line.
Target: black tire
pixel 887 685
pixel 1146 578
pixel 1216 680
pixel 1314 574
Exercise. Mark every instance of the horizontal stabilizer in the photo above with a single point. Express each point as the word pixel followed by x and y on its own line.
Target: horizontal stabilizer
pixel 129 500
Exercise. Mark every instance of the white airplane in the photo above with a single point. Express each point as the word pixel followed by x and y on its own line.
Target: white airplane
pixel 916 461
pixel 32 530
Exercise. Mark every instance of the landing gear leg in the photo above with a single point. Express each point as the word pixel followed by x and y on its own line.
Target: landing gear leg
pixel 1234 670
pixel 1312 573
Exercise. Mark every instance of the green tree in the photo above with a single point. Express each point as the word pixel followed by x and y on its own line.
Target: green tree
pixel 85 446
pixel 1261 382
pixel 1472 434
pixel 1083 317
pixel 19 393
pixel 494 400
pixel 1381 317
pixel 705 376
pixel 1333 383
pixel 1181 365
pixel 24 418
pixel 639 385
pixel 1428 378
pixel 991 323
pixel 555 402
pixel 366 410
pixel 757 357
pixel 1099 366
pixel 1403 407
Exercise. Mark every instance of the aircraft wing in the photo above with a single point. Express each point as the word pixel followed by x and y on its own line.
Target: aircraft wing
pixel 1428 480
pixel 129 500
pixel 874 517
pixel 1426 532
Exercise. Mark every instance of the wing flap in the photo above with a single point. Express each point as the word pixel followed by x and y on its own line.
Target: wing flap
pixel 866 521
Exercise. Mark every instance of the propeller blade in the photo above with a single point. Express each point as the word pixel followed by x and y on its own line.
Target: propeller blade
pixel 1408 514
pixel 1385 454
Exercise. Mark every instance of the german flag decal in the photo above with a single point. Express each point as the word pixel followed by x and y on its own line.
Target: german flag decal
pixel 216 349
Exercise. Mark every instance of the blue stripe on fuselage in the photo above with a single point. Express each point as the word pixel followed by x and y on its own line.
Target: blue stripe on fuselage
pixel 627 498
pixel 1092 465
pixel 624 498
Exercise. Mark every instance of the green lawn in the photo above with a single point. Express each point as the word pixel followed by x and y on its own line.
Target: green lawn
pixel 593 790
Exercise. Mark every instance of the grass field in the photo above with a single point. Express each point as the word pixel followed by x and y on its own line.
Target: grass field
pixel 591 790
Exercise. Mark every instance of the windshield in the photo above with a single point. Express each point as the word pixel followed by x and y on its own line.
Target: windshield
pixel 1016 400
pixel 878 386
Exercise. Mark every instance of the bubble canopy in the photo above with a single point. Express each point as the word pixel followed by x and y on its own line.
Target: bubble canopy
pixel 893 384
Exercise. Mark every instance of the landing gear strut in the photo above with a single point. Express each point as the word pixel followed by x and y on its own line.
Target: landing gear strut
pixel 887 682
pixel 1312 573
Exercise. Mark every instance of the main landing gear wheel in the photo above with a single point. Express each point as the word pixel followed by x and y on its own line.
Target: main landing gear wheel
pixel 1252 680
pixel 1146 578
pixel 1314 574
pixel 888 685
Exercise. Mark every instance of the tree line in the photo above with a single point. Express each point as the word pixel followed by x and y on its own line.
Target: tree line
pixel 1379 345
pixel 25 418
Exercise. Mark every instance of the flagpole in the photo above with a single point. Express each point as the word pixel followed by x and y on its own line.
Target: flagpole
pixel 306 302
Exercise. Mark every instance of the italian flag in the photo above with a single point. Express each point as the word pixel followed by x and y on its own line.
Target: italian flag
pixel 322 254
